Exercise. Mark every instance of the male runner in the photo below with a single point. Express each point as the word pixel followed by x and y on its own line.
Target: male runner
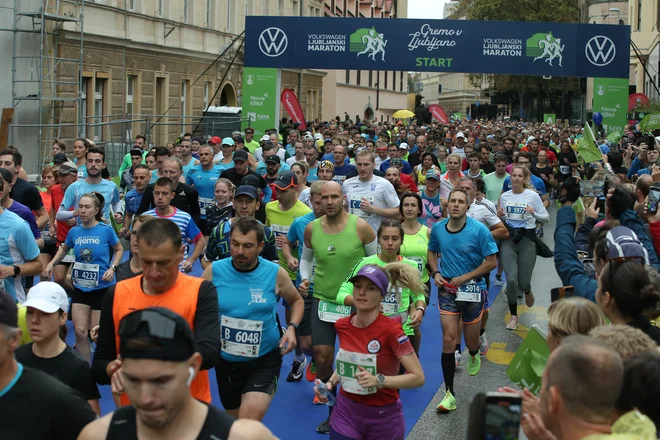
pixel 203 177
pixel 164 354
pixel 368 196
pixel 246 204
pixel 252 343
pixel 133 198
pixel 468 254
pixel 295 237
pixel 336 241
pixel 162 285
pixel 326 171
pixel 164 193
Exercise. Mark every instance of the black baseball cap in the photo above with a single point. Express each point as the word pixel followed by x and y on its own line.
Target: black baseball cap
pixel 6 175
pixel 135 152
pixel 247 190
pixel 240 155
pixel 274 159
pixel 8 310
pixel 251 180
pixel 60 158
pixel 171 335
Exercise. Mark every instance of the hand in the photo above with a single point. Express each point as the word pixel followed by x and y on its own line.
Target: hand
pixel 416 319
pixel 94 333
pixel 531 403
pixel 438 280
pixel 328 385
pixel 655 170
pixel 116 379
pixel 292 263
pixel 534 428
pixel 52 230
pixel 365 379
pixel 303 287
pixel 187 265
pixel 72 221
pixel 605 158
pixel 458 281
pixel 367 206
pixel 591 210
pixel 500 212
pixel 6 271
pixel 122 231
pixel 288 341
pixel 108 275
pixel 119 217
pixel 529 210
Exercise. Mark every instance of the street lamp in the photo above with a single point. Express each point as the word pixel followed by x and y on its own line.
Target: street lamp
pixel 618 13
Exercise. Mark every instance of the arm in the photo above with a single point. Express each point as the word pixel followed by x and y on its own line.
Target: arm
pixel 367 236
pixel 414 377
pixel 197 251
pixel 288 292
pixel 41 217
pixel 147 200
pixel 386 212
pixel 307 257
pixel 540 213
pixel 64 214
pixel 97 429
pixel 490 263
pixel 106 348
pixel 245 429
pixel 291 261
pixel 193 205
pixel 568 265
pixel 634 167
pixel 499 231
pixel 125 164
pixel 206 326
pixel 631 219
pixel 582 235
pixel 345 293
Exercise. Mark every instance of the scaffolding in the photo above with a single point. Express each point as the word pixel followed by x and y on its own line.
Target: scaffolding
pixel 44 83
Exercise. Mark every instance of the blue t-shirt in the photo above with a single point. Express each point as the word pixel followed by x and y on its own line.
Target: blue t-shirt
pixel 26 214
pixel 313 174
pixel 17 246
pixel 204 182
pixel 78 189
pixel 407 169
pixel 247 303
pixel 82 169
pixel 462 251
pixel 297 234
pixel 187 168
pixel 261 168
pixel 331 158
pixel 91 248
pixel 538 183
pixel 133 199
pixel 225 166
pixel 345 170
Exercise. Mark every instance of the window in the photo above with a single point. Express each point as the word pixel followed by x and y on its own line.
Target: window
pixel 639 14
pixel 394 81
pixel 210 14
pixel 296 8
pixel 161 8
pixel 280 7
pixel 208 92
pixel 348 77
pixel 230 21
pixel 186 10
pixel 131 5
pixel 401 83
pixel 130 90
pixel 371 78
pixel 184 104
pixel 99 91
pixel 359 77
pixel 387 74
pixel 83 107
pixel 264 7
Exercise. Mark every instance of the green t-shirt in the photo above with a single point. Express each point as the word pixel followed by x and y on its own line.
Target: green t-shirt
pixel 494 186
pixel 280 222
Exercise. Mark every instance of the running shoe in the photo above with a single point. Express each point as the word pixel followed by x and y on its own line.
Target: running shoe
pixel 483 344
pixel 541 231
pixel 310 373
pixel 297 370
pixel 448 403
pixel 324 428
pixel 513 323
pixel 458 357
pixel 538 231
pixel 499 281
pixel 529 299
pixel 521 295
pixel 473 365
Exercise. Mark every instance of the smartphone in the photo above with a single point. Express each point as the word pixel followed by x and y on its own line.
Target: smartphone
pixel 654 197
pixel 592 188
pixel 561 292
pixel 495 416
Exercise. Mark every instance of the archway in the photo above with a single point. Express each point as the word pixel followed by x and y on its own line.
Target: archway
pixel 228 96
pixel 368 113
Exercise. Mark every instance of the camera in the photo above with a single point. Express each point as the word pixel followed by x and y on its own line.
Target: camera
pixel 495 416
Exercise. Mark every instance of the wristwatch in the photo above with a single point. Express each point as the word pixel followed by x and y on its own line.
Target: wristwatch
pixel 380 378
pixel 17 271
pixel 294 325
pixel 114 268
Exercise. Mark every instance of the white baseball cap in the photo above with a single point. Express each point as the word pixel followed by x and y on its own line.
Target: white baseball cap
pixel 460 135
pixel 48 297
pixel 265 138
pixel 531 138
pixel 318 136
pixel 403 146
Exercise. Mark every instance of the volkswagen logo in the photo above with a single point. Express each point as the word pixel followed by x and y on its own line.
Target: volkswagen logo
pixel 600 51
pixel 273 42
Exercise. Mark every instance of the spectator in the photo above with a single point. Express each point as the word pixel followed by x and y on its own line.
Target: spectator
pixel 572 316
pixel 624 339
pixel 21 190
pixel 641 387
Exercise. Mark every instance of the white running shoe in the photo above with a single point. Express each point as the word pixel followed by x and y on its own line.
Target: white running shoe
pixel 458 357
pixel 499 281
pixel 483 344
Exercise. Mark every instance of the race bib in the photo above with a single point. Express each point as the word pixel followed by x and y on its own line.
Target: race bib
pixel 469 292
pixel 85 275
pixel 204 204
pixel 516 211
pixel 241 337
pixel 70 257
pixel 339 179
pixel 390 304
pixel 332 312
pixel 565 169
pixel 279 230
pixel 421 187
pixel 420 263
pixel 347 365
pixel 354 206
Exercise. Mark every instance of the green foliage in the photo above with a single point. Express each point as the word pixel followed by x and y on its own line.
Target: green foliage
pixel 651 107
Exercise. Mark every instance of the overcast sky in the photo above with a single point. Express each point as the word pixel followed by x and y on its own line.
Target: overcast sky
pixel 425 8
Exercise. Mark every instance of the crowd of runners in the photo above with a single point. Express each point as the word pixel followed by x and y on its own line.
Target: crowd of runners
pixel 181 270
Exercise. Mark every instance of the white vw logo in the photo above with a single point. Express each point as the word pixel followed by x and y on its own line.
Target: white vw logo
pixel 600 51
pixel 273 42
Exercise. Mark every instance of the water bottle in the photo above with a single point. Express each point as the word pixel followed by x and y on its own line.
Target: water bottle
pixel 325 392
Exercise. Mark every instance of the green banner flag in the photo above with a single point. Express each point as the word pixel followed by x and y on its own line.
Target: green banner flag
pixel 261 99
pixel 614 137
pixel 611 101
pixel 526 367
pixel 550 118
pixel 587 148
pixel 458 116
pixel 650 122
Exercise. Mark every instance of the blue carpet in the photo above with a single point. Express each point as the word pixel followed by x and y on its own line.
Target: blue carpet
pixel 292 414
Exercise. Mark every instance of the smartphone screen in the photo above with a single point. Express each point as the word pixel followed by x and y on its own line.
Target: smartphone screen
pixel 502 421
pixel 592 188
pixel 654 198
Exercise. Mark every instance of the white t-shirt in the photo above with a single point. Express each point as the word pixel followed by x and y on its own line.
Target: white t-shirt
pixel 258 154
pixel 379 191
pixel 514 208
pixel 484 212
pixel 290 161
pixel 379 161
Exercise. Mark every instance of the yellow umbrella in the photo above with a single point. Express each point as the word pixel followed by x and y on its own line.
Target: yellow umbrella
pixel 403 114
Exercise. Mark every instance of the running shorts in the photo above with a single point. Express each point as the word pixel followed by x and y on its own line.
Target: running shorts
pixel 355 420
pixel 323 333
pixel 470 312
pixel 92 298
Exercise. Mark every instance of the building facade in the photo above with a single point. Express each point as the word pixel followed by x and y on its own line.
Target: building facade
pixel 645 35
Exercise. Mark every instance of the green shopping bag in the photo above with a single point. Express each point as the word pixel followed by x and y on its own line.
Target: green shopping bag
pixel 526 368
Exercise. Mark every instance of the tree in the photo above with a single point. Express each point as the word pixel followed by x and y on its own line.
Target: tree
pixel 566 11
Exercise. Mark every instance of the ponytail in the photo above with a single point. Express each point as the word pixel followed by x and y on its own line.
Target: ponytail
pixel 405 276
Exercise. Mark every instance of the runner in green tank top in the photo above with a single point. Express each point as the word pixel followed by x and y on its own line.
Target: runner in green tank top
pixel 416 239
pixel 337 241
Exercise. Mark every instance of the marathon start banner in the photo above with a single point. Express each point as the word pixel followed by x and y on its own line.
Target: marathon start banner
pixel 500 47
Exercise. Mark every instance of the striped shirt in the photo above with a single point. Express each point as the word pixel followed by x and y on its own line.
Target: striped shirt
pixel 189 230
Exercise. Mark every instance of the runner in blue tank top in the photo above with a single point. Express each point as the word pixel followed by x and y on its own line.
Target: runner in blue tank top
pixel 203 177
pixel 252 344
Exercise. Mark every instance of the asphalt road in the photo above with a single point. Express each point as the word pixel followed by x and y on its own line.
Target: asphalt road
pixel 503 344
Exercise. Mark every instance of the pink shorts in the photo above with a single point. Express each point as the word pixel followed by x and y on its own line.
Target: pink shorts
pixel 355 420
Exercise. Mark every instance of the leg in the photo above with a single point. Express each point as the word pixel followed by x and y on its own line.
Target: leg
pixel 509 258
pixel 416 340
pixel 526 263
pixel 80 313
pixel 59 276
pixel 254 406
pixel 449 337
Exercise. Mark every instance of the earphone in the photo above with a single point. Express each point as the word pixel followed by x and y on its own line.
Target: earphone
pixel 191 376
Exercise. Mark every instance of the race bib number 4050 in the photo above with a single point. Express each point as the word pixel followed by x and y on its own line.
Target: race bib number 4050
pixel 241 337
